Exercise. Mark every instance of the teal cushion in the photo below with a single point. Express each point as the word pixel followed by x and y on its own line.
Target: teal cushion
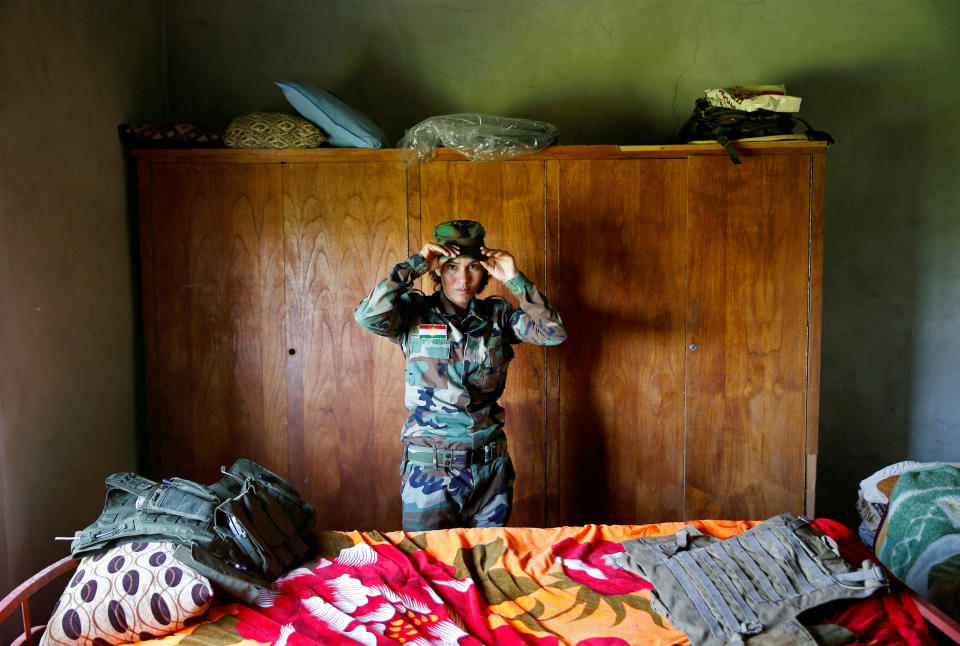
pixel 344 126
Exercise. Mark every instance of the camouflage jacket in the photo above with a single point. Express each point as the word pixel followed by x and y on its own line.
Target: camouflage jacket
pixel 456 366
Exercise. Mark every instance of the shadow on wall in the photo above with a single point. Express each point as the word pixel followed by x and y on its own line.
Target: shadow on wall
pixel 871 276
pixel 598 387
pixel 583 435
pixel 396 101
pixel 390 96
pixel 598 120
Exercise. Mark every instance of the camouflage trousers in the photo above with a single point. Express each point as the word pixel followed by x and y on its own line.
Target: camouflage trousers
pixel 479 495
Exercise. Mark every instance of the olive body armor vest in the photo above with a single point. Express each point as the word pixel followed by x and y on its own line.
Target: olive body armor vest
pixel 242 532
pixel 748 588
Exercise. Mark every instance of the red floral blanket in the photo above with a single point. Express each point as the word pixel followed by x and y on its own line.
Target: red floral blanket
pixel 509 586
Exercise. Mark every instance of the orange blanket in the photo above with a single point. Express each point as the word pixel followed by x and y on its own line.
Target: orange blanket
pixel 491 586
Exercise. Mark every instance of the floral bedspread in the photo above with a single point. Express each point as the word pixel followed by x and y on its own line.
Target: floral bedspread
pixel 497 586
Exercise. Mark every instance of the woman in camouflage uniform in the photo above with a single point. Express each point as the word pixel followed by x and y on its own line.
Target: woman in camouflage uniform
pixel 456 469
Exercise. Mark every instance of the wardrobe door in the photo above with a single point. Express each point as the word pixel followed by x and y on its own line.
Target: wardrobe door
pixel 748 335
pixel 622 260
pixel 344 229
pixel 508 199
pixel 213 301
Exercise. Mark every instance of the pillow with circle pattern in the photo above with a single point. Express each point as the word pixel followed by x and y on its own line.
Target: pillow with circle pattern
pixel 272 130
pixel 126 594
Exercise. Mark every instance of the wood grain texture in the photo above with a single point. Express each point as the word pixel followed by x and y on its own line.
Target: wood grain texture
pixel 621 369
pixel 552 366
pixel 217 356
pixel 344 229
pixel 746 379
pixel 647 253
pixel 508 199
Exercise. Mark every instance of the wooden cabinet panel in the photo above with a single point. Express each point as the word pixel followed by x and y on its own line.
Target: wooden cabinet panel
pixel 344 229
pixel 508 199
pixel 622 231
pixel 747 335
pixel 690 287
pixel 216 360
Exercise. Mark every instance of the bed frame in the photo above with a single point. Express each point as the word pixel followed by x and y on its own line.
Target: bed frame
pixel 937 618
pixel 21 597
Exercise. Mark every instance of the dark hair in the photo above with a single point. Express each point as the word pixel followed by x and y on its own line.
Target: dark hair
pixel 437 282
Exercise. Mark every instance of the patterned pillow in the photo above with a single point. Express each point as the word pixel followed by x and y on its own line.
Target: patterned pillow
pixel 131 592
pixel 167 134
pixel 272 130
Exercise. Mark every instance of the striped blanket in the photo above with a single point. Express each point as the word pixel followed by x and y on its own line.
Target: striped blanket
pixel 919 540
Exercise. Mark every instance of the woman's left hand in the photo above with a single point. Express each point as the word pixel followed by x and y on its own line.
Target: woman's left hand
pixel 499 263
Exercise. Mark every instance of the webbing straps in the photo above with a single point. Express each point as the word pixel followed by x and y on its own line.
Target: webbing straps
pixel 808 562
pixel 722 554
pixel 750 543
pixel 743 556
pixel 181 499
pixel 695 570
pixel 715 571
pixel 785 558
pixel 693 591
pixel 130 482
pixel 703 583
pixel 725 592
pixel 869 572
pixel 700 570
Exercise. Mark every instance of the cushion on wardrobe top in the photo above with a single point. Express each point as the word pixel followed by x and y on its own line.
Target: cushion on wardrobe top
pixel 272 130
pixel 345 126
pixel 169 134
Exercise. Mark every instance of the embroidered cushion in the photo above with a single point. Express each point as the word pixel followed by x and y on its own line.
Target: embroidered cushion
pixel 168 134
pixel 272 130
pixel 128 593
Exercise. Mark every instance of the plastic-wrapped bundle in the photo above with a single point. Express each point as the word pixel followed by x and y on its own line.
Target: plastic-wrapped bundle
pixel 479 137
pixel 751 98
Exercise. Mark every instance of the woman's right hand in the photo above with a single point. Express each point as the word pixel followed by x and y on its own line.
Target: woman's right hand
pixel 438 255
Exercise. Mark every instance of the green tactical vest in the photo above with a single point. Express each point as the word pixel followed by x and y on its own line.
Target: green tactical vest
pixel 749 588
pixel 242 532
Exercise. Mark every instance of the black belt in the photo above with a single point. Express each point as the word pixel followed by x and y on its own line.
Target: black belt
pixel 440 457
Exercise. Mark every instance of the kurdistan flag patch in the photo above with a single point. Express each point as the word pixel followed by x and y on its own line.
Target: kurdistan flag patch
pixel 428 331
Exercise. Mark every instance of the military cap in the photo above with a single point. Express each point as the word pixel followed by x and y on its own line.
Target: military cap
pixel 466 234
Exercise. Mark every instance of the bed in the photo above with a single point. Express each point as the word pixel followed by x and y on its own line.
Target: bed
pixel 490 586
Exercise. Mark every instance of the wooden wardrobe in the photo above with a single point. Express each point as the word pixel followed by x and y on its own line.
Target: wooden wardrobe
pixel 690 287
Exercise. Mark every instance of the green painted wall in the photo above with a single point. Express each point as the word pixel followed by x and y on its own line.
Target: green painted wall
pixel 70 71
pixel 879 75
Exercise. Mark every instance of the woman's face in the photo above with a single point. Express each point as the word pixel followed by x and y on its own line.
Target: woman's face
pixel 460 278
